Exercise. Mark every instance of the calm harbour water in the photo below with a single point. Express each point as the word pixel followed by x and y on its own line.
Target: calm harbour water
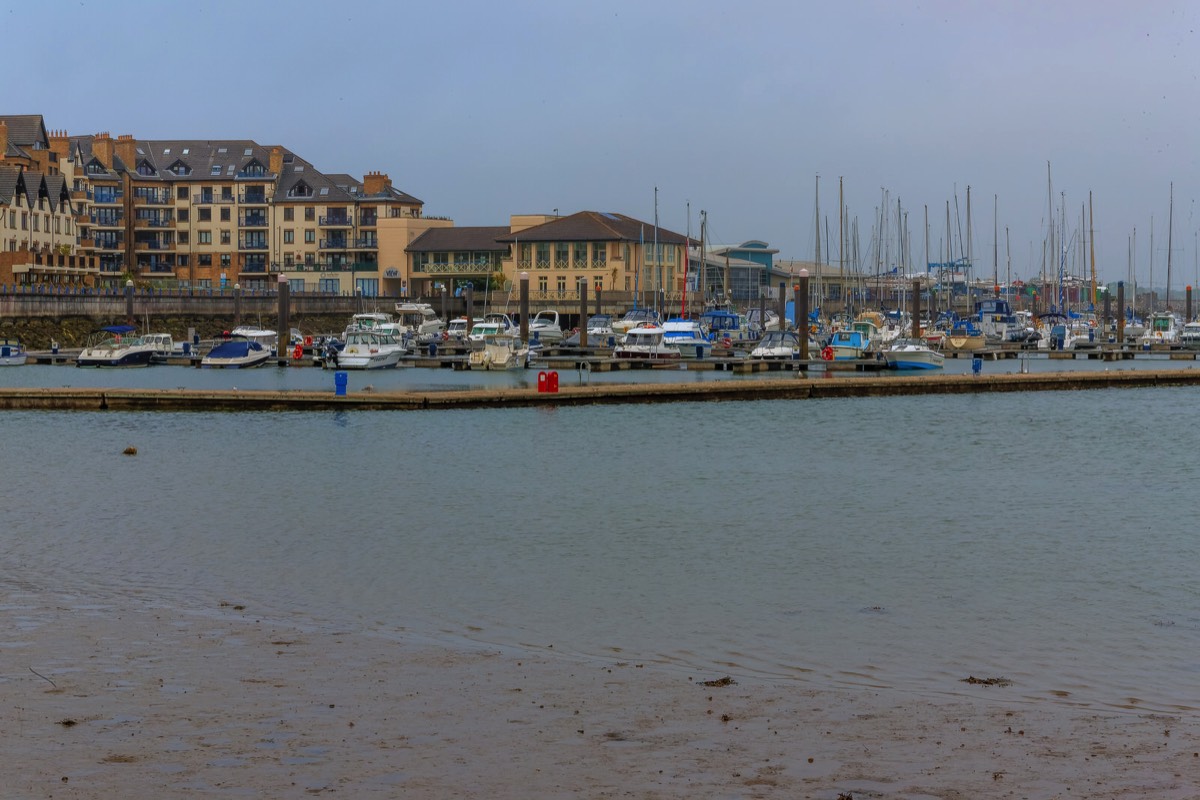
pixel 895 542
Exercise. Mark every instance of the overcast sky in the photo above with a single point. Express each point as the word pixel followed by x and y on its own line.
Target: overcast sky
pixel 485 109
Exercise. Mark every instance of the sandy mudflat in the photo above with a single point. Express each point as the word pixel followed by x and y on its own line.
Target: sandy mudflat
pixel 149 702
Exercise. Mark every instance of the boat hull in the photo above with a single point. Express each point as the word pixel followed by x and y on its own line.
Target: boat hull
pixel 137 358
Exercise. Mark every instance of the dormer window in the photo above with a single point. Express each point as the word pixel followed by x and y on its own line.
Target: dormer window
pixel 301 189
pixel 144 168
pixel 253 169
pixel 94 167
pixel 180 168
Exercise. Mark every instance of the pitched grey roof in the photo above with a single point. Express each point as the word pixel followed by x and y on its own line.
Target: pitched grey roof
pixel 459 239
pixel 8 183
pixel 594 226
pixel 25 132
pixel 357 189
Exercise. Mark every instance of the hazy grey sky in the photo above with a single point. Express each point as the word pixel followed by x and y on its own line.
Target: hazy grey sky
pixel 484 109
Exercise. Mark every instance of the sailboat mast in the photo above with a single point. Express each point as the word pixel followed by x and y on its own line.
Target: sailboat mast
pixel 817 254
pixel 1170 229
pixel 657 259
pixel 1092 246
pixel 996 244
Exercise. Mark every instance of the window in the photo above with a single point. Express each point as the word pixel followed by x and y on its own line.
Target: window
pixel 289 236
pixel 562 255
pixel 310 214
pixel 183 237
pixel 216 169
pixel 543 283
pixel 204 260
pixel 562 284
pixel 225 260
pixel 183 260
pixel 598 282
pixel 224 215
pixel 310 236
pixel 205 215
pixel 204 237
pixel 181 193
pixel 289 214
pixel 224 236
pixel 183 214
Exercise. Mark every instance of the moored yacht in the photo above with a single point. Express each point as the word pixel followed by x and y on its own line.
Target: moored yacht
pixel 646 342
pixel 115 346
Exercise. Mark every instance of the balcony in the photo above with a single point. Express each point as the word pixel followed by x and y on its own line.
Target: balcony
pixel 366 243
pixel 253 199
pixel 336 222
pixel 110 245
pixel 105 221
pixel 80 194
pixel 157 199
pixel 201 199
pixel 252 245
pixel 112 198
pixel 332 244
pixel 252 221
pixel 368 220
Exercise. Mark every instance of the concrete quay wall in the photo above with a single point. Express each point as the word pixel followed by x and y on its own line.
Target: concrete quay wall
pixel 64 399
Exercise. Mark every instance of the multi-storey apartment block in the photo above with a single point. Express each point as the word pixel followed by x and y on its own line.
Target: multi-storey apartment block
pixel 40 242
pixel 214 213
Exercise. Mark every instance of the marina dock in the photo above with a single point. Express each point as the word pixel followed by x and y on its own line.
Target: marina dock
pixel 786 388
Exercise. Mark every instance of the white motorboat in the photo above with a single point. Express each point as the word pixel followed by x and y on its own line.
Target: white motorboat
pixel 633 318
pixel 1190 337
pixel 912 354
pixel 264 336
pixel 545 328
pixel 378 349
pixel 419 320
pixel 688 336
pixel 498 351
pixel 115 346
pixel 646 342
pixel 236 352
pixel 12 353
pixel 780 345
pixel 457 330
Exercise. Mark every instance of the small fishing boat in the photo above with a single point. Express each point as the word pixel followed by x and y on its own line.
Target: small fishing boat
pixel 12 353
pixel 846 345
pixel 499 351
pixel 912 354
pixel 646 342
pixel 367 349
pixel 115 346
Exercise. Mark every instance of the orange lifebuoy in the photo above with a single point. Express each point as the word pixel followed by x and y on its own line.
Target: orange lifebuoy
pixel 445 336
pixel 298 353
pixel 308 341
pixel 827 353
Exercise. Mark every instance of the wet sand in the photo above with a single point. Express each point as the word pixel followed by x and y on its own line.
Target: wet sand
pixel 129 698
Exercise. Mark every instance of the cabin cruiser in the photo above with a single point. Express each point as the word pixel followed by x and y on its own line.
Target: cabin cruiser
pixel 378 349
pixel 1161 328
pixel 757 326
pixel 633 318
pixel 115 346
pixel 646 342
pixel 499 351
pixel 545 328
pixel 419 321
pixel 780 346
pixel 688 336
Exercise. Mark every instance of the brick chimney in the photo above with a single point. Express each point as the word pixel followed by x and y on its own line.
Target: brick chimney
pixel 126 149
pixel 102 149
pixel 3 139
pixel 376 183
pixel 276 165
pixel 60 144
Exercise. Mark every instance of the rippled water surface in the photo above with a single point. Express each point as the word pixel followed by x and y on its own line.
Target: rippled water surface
pixel 910 542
